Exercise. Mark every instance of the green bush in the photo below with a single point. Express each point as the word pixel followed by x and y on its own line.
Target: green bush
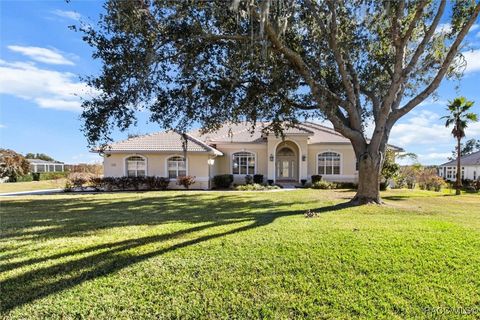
pixel 36 176
pixel 25 178
pixel 248 179
pixel 255 187
pixel 258 178
pixel 322 184
pixel 316 178
pixel 223 181
pixel 52 175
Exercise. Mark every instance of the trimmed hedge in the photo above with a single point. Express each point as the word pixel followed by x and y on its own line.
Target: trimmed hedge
pixel 40 176
pixel 223 181
pixel 25 178
pixel 82 181
pixel 316 178
pixel 258 178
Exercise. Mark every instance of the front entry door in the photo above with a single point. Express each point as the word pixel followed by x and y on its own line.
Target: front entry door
pixel 286 169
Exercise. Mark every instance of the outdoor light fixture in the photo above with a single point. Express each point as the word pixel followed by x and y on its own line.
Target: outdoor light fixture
pixel 271 157
pixel 304 157
pixel 211 162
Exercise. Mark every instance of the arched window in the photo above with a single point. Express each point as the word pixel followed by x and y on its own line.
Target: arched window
pixel 136 166
pixel 329 163
pixel 285 151
pixel 243 163
pixel 177 167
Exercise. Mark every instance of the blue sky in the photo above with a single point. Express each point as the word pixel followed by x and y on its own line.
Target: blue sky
pixel 41 62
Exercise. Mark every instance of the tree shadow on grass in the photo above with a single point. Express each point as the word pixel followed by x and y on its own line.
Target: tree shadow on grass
pixel 61 218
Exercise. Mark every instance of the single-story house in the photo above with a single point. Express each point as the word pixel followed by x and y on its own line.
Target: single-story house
pixel 470 165
pixel 305 149
pixel 38 165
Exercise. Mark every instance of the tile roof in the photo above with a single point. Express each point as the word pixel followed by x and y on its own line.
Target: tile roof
pixel 243 132
pixel 228 133
pixel 160 141
pixel 468 160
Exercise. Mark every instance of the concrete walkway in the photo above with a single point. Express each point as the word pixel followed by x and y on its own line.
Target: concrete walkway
pixel 32 192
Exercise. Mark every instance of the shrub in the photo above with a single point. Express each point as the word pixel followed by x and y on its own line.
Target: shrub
pixel 79 180
pixel 52 175
pixel 270 182
pixel 258 178
pixel 223 180
pixel 36 176
pixel 383 185
pixel 428 180
pixel 322 184
pixel 109 183
pixel 156 183
pixel 248 179
pixel 255 187
pixel 346 185
pixel 186 181
pixel 25 178
pixel 303 182
pixel 316 178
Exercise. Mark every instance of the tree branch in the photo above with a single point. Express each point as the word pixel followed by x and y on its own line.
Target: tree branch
pixel 397 114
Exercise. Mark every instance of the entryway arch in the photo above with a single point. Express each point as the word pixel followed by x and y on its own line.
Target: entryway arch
pixel 287 164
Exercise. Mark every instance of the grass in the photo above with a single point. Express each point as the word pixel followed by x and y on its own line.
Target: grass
pixel 240 255
pixel 32 185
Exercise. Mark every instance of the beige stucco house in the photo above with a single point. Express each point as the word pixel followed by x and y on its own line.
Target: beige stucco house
pixel 306 149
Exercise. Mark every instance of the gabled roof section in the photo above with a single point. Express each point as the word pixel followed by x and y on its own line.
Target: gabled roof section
pixel 472 159
pixel 243 132
pixel 169 141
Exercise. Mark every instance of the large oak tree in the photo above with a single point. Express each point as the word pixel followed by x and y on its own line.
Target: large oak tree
pixel 351 62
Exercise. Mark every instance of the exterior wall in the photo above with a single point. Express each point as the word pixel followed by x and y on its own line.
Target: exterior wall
pixel 348 173
pixel 469 172
pixel 223 164
pixel 115 166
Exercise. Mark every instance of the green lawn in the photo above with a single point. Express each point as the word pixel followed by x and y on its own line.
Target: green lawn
pixel 30 186
pixel 213 255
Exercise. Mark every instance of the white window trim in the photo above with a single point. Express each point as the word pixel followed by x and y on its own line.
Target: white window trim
pixel 231 162
pixel 125 167
pixel 166 165
pixel 341 163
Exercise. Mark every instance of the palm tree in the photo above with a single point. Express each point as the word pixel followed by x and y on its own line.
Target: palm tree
pixel 459 117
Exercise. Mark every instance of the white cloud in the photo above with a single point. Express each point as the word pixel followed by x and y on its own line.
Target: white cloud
pixel 444 28
pixel 42 55
pixel 473 60
pixel 423 128
pixel 2 126
pixel 434 157
pixel 47 88
pixel 67 14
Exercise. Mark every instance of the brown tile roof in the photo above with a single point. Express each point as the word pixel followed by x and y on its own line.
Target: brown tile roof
pixel 243 132
pixel 160 141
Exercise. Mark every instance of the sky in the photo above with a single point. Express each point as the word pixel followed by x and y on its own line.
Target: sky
pixel 42 63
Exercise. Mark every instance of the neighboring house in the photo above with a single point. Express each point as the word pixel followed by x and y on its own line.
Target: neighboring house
pixel 38 165
pixel 306 149
pixel 470 165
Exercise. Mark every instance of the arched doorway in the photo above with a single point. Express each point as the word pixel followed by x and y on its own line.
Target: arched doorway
pixel 286 165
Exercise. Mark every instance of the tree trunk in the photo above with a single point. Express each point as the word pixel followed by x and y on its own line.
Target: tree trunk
pixel 368 179
pixel 458 183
